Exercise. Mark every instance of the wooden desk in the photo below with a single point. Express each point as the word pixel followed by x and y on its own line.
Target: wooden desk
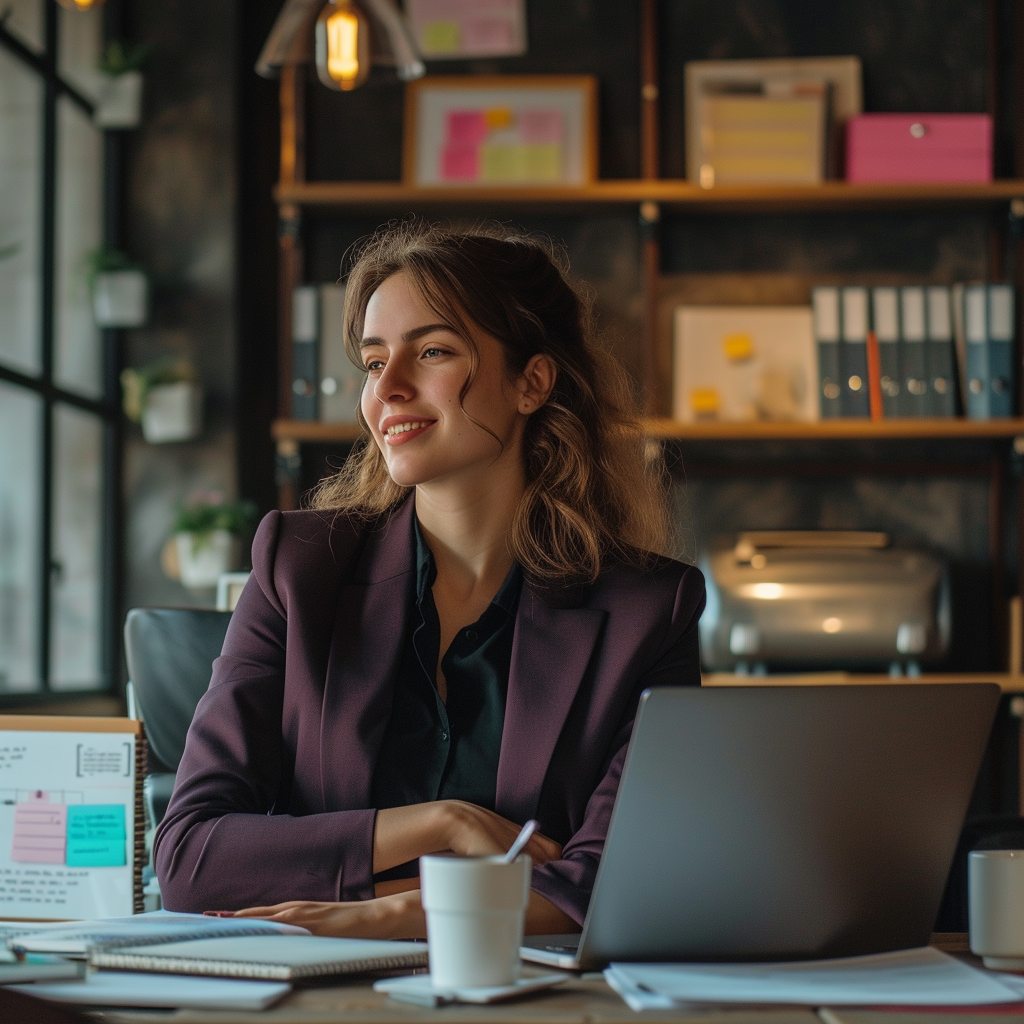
pixel 586 1000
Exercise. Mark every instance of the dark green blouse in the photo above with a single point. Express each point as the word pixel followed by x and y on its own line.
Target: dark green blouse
pixel 433 750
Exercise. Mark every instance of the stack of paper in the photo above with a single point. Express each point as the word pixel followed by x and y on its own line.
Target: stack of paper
pixel 913 977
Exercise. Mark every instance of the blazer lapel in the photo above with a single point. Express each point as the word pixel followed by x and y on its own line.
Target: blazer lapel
pixel 366 651
pixel 551 649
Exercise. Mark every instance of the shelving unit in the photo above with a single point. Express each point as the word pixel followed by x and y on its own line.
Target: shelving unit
pixel 988 444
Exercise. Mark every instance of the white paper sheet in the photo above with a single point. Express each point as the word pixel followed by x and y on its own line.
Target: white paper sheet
pixel 913 977
pixel 128 988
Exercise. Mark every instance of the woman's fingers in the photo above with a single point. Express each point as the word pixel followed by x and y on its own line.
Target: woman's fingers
pixel 542 849
pixel 396 916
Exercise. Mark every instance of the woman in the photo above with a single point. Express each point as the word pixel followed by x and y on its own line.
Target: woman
pixel 454 638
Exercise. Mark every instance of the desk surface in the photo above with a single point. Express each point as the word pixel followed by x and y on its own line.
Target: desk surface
pixel 586 1000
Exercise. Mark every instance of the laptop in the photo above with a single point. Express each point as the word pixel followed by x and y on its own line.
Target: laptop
pixel 781 823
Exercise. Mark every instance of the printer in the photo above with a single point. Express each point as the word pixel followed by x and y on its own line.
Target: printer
pixel 820 599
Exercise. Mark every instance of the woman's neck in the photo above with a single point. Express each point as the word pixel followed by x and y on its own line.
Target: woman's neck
pixel 467 532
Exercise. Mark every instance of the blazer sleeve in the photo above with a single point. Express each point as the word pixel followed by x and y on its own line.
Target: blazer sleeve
pixel 569 881
pixel 224 843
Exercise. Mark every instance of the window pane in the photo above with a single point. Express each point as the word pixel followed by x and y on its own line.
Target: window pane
pixel 79 232
pixel 76 650
pixel 20 456
pixel 80 38
pixel 25 20
pixel 21 102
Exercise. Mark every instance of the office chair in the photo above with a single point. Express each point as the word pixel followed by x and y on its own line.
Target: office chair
pixel 170 652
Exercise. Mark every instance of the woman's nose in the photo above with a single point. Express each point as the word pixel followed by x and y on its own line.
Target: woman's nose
pixel 393 384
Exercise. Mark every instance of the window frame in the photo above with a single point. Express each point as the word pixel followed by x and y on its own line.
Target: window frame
pixel 106 409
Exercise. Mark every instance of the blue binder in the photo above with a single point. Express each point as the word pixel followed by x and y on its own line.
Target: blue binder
pixel 1002 379
pixel 976 353
pixel 914 334
pixel 885 319
pixel 854 358
pixel 825 304
pixel 940 362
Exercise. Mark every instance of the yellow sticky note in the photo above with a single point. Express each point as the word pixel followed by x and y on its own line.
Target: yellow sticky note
pixel 738 347
pixel 704 401
pixel 440 37
pixel 499 163
pixel 542 161
pixel 498 117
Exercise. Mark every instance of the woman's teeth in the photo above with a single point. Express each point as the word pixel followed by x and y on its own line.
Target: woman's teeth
pixel 401 428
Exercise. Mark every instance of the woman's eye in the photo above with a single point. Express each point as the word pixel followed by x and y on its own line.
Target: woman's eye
pixel 374 365
pixel 435 351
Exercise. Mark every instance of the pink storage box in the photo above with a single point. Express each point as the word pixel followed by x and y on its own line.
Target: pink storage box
pixel 919 147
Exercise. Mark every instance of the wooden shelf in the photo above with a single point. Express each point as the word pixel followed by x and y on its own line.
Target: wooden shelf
pixel 677 194
pixel 1007 682
pixel 664 429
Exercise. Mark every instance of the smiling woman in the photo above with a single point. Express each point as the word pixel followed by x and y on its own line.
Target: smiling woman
pixel 454 637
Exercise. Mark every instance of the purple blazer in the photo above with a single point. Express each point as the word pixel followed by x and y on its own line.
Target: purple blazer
pixel 272 798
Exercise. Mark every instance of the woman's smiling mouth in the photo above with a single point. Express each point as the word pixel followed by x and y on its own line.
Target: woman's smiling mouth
pixel 399 433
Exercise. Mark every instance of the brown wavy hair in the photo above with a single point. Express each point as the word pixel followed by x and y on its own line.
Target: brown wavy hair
pixel 593 491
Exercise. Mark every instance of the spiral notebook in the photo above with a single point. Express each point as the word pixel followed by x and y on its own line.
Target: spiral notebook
pixel 268 957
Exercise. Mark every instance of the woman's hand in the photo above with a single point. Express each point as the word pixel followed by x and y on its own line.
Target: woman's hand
pixel 398 916
pixel 474 831
pixel 402 834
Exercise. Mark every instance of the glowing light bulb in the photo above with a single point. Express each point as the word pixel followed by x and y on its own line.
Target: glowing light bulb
pixel 342 45
pixel 81 5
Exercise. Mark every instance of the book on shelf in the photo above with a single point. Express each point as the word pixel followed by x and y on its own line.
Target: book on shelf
pixel 914 332
pixel 305 357
pixel 885 319
pixel 854 355
pixel 940 357
pixel 825 307
pixel 341 381
pixel 983 320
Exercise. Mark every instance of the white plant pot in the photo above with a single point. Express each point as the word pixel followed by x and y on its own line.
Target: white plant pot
pixel 119 104
pixel 173 412
pixel 202 566
pixel 120 298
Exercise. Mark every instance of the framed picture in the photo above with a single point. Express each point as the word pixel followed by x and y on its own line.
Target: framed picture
pixel 501 131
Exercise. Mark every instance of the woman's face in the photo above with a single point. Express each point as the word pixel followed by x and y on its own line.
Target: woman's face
pixel 416 370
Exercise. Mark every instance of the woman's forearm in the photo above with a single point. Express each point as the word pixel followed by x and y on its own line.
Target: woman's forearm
pixel 402 834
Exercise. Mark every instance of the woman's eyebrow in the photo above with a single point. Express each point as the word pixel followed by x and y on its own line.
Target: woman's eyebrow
pixel 411 335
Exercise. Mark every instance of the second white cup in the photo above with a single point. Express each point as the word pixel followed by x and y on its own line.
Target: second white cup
pixel 476 907
pixel 995 891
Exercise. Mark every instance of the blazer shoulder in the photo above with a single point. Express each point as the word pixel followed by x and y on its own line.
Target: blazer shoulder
pixel 304 551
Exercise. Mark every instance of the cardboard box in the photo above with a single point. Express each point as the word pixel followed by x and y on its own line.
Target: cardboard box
pixel 919 148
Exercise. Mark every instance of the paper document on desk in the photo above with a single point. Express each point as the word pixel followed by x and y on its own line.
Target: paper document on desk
pixel 912 977
pixel 128 988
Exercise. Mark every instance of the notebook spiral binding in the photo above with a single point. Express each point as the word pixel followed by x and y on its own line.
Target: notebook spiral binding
pixel 243 969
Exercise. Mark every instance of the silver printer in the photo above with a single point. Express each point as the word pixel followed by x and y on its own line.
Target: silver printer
pixel 822 599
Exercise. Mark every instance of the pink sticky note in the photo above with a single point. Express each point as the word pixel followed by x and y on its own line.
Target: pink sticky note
pixel 465 128
pixel 537 125
pixel 483 35
pixel 40 832
pixel 460 164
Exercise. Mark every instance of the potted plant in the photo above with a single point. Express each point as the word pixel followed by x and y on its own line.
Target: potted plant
pixel 120 291
pixel 119 103
pixel 165 397
pixel 207 530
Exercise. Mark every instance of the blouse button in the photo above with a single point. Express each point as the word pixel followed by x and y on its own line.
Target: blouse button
pixel 470 634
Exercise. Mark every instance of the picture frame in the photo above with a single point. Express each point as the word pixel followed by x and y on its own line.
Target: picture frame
pixel 500 131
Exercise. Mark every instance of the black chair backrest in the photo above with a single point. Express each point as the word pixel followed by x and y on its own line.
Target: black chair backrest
pixel 170 652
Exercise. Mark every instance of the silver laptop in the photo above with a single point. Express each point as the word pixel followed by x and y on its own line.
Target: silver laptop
pixel 781 823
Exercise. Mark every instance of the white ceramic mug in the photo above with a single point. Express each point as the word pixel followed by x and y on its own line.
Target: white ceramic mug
pixel 475 911
pixel 995 891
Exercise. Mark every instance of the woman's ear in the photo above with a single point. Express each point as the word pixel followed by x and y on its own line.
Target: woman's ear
pixel 536 382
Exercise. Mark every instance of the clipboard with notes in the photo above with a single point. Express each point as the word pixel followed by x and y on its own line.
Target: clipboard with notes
pixel 72 824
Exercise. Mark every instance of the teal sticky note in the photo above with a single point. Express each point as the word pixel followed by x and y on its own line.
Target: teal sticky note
pixel 97 836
